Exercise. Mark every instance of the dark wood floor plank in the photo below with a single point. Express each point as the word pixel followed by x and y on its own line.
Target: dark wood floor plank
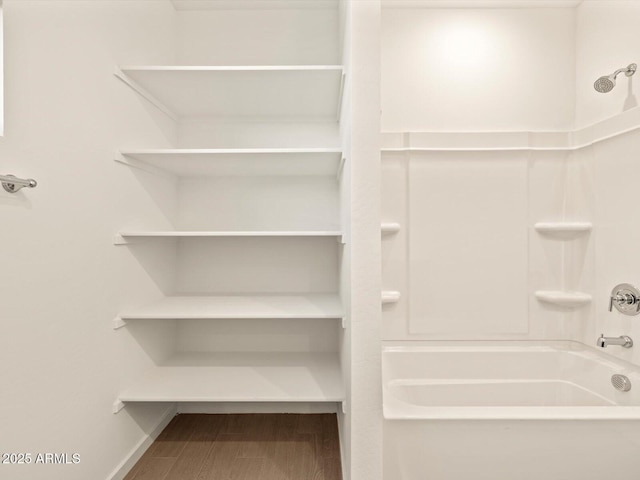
pixel 247 469
pixel 171 443
pixel 306 462
pixel 311 423
pixel 260 441
pixel 244 447
pixel 332 468
pixel 330 437
pixel 191 460
pixel 220 460
pixel 155 469
pixel 286 426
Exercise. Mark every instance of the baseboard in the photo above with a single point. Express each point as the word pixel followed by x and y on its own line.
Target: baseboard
pixel 127 464
pixel 258 407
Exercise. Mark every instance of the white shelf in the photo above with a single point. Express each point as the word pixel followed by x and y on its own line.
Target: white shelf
pixel 252 4
pixel 241 377
pixel 563 230
pixel 246 161
pixel 240 306
pixel 389 228
pixel 293 92
pixel 124 238
pixel 563 299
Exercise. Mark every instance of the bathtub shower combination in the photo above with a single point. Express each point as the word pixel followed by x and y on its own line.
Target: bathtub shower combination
pixel 509 410
pixel 510 309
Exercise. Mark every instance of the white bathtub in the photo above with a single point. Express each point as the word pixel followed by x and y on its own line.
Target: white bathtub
pixel 508 411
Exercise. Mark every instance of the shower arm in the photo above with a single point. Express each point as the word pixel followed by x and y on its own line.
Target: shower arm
pixel 628 71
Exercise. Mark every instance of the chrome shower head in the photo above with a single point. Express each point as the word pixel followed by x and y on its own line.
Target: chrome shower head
pixel 605 84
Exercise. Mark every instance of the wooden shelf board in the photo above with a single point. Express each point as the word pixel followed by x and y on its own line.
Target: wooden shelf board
pixel 241 377
pixel 240 306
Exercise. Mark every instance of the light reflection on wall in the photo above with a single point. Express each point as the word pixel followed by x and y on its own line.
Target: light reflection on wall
pixel 465 45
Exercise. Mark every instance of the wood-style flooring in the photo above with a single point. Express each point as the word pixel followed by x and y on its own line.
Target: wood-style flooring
pixel 244 447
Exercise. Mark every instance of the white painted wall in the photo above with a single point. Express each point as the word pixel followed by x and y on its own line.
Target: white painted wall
pixel 61 363
pixel 607 39
pixel 467 217
pixel 616 238
pixel 364 401
pixel 478 69
pixel 291 36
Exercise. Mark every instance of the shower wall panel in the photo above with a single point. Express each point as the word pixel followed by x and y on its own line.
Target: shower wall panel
pixel 467 247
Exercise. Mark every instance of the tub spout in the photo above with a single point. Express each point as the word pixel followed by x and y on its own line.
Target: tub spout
pixel 623 340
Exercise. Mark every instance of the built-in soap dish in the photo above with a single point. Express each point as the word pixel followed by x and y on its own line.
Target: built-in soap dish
pixel 563 299
pixel 390 296
pixel 563 230
pixel 390 228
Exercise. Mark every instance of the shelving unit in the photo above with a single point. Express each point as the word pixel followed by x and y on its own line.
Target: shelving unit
pixel 282 108
pixel 310 92
pixel 241 377
pixel 240 306
pixel 563 230
pixel 563 299
pixel 238 161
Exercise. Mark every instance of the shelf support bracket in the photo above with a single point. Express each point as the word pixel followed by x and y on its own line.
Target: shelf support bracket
pixel 119 239
pixel 140 90
pixel 145 167
pixel 340 95
pixel 118 323
pixel 117 406
pixel 340 168
pixel 344 322
pixel 344 406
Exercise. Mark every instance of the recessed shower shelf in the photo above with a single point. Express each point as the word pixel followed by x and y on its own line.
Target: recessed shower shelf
pixel 238 307
pixel 124 238
pixel 241 377
pixel 264 92
pixel 389 228
pixel 563 230
pixel 563 299
pixel 237 161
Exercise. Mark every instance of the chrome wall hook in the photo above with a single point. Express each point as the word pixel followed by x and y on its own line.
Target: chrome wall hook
pixel 12 184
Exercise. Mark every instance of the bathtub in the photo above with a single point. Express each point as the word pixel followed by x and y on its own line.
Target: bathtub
pixel 508 411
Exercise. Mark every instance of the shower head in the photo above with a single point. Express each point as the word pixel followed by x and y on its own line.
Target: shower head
pixel 605 84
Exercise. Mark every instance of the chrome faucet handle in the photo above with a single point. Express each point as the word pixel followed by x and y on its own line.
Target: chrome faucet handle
pixel 626 299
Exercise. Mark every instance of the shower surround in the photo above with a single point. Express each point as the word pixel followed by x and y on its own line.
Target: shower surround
pixel 503 168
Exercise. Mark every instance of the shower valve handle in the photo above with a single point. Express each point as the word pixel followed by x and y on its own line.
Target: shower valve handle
pixel 626 299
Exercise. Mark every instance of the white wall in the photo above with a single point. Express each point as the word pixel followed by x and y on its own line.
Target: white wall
pixel 478 69
pixel 616 241
pixel 62 364
pixel 607 38
pixel 467 217
pixel 365 402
